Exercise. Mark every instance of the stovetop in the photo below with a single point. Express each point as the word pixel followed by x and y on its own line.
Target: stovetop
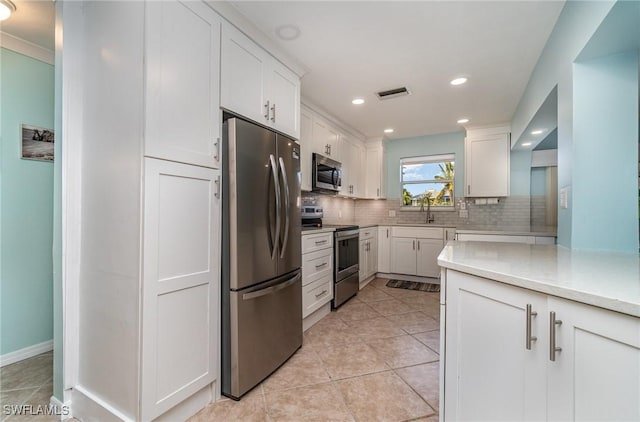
pixel 341 227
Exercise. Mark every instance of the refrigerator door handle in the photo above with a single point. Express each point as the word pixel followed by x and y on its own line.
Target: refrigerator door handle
pixel 285 183
pixel 276 188
pixel 271 289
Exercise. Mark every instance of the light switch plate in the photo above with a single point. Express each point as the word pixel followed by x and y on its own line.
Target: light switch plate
pixel 564 197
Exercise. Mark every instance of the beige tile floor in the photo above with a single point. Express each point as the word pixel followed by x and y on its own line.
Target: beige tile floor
pixel 28 383
pixel 375 359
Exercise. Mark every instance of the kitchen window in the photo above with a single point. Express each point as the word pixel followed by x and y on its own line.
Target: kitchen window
pixel 427 180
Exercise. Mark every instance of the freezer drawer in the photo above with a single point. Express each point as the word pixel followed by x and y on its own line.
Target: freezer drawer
pixel 265 330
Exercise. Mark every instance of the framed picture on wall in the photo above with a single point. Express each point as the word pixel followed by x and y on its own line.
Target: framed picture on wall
pixel 37 143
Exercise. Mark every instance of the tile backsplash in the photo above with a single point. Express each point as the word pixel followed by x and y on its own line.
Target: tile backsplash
pixel 511 211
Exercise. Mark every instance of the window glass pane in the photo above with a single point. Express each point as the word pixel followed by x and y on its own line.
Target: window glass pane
pixel 425 171
pixel 425 181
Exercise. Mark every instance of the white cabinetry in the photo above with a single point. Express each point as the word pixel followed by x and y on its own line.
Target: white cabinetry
pixel 326 140
pixel 256 85
pixel 306 148
pixel 415 250
pixel 352 179
pixel 317 271
pixel 384 249
pixel 374 171
pixel 182 84
pixel 499 365
pixel 368 253
pixel 180 289
pixel 487 157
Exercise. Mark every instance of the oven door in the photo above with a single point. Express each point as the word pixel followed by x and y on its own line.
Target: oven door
pixel 346 253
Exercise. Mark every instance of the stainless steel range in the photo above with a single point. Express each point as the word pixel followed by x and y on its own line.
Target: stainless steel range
pixel 346 264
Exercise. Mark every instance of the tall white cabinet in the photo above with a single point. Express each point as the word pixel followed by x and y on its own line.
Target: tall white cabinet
pixel 148 276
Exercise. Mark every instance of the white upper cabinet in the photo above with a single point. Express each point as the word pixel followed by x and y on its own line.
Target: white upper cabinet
pixel 182 83
pixel 487 153
pixel 352 158
pixel 326 140
pixel 257 86
pixel 373 172
pixel 306 146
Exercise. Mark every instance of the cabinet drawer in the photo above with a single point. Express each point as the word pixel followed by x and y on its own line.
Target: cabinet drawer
pixel 418 232
pixel 316 265
pixel 316 242
pixel 368 233
pixel 316 294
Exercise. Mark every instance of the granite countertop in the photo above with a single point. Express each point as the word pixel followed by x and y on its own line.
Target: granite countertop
pixel 607 280
pixel 509 230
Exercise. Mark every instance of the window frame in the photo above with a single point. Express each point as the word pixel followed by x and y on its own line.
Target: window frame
pixel 427 159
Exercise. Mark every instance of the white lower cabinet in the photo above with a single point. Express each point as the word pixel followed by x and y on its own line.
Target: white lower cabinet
pixel 415 250
pixel 180 283
pixel 317 271
pixel 498 364
pixel 384 249
pixel 368 256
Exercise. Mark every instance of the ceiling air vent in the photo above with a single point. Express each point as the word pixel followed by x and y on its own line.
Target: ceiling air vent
pixel 392 93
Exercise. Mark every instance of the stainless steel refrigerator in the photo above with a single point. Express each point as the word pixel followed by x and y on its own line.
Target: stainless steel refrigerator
pixel 261 254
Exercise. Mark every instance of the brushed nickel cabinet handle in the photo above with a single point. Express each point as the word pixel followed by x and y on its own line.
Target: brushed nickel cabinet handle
pixel 266 110
pixel 273 114
pixel 468 189
pixel 320 242
pixel 321 265
pixel 322 293
pixel 530 338
pixel 414 245
pixel 553 322
pixel 216 144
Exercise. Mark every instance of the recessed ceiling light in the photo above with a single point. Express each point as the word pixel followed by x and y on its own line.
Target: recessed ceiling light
pixel 288 32
pixel 536 132
pixel 357 101
pixel 388 130
pixel 6 9
pixel 526 144
pixel 463 121
pixel 458 81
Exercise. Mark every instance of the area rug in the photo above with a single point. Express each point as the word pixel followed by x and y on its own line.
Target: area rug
pixel 414 285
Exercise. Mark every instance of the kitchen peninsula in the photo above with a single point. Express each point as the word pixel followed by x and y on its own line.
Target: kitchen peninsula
pixel 539 332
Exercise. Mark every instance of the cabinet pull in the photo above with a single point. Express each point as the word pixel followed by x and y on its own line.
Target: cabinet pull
pixel 216 144
pixel 320 242
pixel 321 293
pixel 378 192
pixel 414 245
pixel 273 114
pixel 321 265
pixel 530 338
pixel 387 233
pixel 266 110
pixel 468 189
pixel 217 190
pixel 553 322
pixel 329 149
pixel 418 245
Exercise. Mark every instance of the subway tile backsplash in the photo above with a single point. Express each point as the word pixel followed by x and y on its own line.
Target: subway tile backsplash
pixel 509 212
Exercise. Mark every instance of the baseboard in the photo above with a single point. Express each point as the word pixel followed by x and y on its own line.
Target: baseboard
pixel 86 406
pixel 316 316
pixel 406 277
pixel 62 410
pixel 26 353
pixel 364 283
pixel 189 407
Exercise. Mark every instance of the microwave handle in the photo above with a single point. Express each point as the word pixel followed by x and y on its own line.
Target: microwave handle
pixel 333 179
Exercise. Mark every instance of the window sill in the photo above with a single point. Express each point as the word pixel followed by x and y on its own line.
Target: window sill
pixel 433 209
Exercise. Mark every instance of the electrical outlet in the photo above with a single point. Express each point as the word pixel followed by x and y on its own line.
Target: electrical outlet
pixel 464 213
pixel 392 213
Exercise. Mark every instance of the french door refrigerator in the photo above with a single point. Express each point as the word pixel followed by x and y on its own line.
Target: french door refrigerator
pixel 261 254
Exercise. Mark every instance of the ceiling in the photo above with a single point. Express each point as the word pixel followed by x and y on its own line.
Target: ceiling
pixel 33 21
pixel 354 49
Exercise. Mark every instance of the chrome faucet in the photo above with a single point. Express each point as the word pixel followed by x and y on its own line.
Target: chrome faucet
pixel 430 217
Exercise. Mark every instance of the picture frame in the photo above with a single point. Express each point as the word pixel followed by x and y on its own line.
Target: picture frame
pixel 37 143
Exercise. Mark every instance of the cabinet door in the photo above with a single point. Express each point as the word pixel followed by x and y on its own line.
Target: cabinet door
pixel 180 283
pixel 182 56
pixel 283 94
pixel 489 373
pixel 306 148
pixel 321 137
pixel 372 258
pixel 362 260
pixel 427 257
pixel 243 66
pixel 487 165
pixel 596 375
pixel 403 255
pixel 373 172
pixel 384 249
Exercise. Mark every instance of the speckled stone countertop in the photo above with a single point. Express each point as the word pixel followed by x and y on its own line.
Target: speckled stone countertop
pixel 508 230
pixel 316 230
pixel 607 280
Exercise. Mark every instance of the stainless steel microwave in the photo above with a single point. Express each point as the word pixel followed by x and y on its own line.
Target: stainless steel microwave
pixel 326 174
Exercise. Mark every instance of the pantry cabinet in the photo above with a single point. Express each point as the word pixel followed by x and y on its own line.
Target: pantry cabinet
pixel 487 162
pixel 374 171
pixel 415 250
pixel 182 84
pixel 352 179
pixel 501 363
pixel 257 86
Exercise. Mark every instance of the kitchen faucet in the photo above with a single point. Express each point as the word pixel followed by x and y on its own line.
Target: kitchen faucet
pixel 430 217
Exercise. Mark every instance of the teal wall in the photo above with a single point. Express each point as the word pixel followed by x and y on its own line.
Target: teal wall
pixel 520 180
pixel 26 289
pixel 538 181
pixel 444 143
pixel 605 152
